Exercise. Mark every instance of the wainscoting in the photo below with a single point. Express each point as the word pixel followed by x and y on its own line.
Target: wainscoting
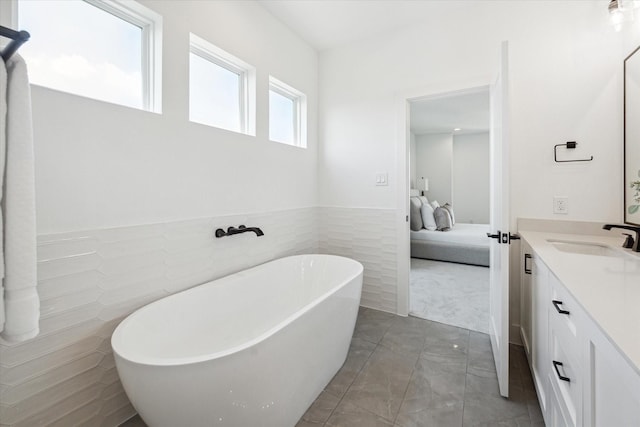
pixel 90 280
pixel 369 236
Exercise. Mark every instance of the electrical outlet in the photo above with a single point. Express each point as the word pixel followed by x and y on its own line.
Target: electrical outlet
pixel 560 205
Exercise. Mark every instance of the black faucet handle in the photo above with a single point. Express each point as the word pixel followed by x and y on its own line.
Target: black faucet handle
pixel 635 244
pixel 628 241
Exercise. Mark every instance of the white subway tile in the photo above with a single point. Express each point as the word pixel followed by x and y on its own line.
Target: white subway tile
pixel 68 318
pixel 60 409
pixel 90 280
pixel 41 365
pixel 65 285
pixel 24 390
pixel 65 266
pixel 55 249
pixel 52 306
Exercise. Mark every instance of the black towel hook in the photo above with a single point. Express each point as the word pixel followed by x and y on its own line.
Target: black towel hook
pixel 18 38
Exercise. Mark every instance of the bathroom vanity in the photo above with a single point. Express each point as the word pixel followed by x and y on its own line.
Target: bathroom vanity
pixel 580 326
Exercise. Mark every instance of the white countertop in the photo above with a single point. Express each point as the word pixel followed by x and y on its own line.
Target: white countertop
pixel 608 288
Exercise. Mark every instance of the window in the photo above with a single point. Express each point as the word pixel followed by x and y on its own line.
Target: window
pixel 221 88
pixel 287 114
pixel 107 50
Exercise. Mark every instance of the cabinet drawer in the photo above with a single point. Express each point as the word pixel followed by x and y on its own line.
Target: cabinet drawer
pixel 564 316
pixel 565 376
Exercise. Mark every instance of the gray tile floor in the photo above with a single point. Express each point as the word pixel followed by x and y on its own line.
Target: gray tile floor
pixel 410 372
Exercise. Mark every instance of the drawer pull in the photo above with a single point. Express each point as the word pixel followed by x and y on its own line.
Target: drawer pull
pixel 557 305
pixel 527 257
pixel 555 366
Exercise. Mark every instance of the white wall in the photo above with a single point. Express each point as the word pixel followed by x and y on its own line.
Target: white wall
pixel 565 84
pixel 413 183
pixel 458 171
pixel 105 174
pixel 434 157
pixel 101 165
pixel 470 178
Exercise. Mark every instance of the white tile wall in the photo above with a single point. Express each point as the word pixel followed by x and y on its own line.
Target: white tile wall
pixel 369 236
pixel 88 281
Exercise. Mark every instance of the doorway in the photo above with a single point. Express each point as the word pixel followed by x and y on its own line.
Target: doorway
pixel 500 219
pixel 449 159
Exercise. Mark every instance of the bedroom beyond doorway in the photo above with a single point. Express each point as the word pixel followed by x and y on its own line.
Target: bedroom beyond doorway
pixel 449 209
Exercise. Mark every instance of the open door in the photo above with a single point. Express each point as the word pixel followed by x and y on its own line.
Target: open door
pixel 499 219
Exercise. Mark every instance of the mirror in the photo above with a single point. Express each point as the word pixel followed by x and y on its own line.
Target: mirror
pixel 632 138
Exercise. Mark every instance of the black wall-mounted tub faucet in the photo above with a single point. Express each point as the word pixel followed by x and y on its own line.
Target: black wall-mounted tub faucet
pixel 636 241
pixel 241 229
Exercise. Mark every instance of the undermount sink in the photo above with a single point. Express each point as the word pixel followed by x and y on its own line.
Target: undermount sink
pixel 586 248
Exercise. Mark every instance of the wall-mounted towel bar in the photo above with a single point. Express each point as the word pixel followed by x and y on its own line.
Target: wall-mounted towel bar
pixel 570 145
pixel 17 39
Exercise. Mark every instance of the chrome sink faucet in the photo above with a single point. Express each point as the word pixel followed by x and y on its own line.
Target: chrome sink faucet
pixel 634 244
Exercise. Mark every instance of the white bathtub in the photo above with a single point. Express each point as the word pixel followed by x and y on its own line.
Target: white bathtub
pixel 251 349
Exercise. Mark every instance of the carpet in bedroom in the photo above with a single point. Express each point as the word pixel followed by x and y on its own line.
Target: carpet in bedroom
pixel 445 292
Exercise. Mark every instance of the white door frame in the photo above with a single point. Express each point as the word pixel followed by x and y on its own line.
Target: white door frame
pixel 403 138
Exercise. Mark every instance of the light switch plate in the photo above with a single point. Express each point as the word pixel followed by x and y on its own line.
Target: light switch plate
pixel 382 178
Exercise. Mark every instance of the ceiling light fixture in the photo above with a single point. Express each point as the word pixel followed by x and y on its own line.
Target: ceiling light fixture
pixel 622 10
pixel 457 129
pixel 615 14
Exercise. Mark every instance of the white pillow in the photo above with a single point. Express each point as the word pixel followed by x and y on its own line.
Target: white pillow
pixel 434 204
pixel 415 216
pixel 428 219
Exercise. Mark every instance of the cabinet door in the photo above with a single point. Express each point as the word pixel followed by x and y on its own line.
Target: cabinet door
pixel 525 297
pixel 612 386
pixel 557 415
pixel 540 360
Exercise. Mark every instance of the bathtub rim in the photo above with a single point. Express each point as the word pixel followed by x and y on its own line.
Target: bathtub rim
pixel 189 360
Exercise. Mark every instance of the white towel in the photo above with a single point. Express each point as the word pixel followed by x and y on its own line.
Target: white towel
pixel 19 302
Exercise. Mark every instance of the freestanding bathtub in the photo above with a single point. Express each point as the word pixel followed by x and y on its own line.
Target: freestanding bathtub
pixel 251 349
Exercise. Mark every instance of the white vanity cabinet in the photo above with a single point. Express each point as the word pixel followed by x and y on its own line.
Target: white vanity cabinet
pixel 539 359
pixel 534 320
pixel 611 392
pixel 566 325
pixel 580 376
pixel 526 297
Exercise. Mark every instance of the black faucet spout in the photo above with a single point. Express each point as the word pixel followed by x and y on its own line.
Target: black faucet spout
pixel 256 230
pixel 636 244
pixel 240 229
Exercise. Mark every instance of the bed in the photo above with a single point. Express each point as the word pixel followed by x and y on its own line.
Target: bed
pixel 464 243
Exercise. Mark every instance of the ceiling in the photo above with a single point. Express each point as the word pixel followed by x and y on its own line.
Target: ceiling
pixel 467 111
pixel 325 24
